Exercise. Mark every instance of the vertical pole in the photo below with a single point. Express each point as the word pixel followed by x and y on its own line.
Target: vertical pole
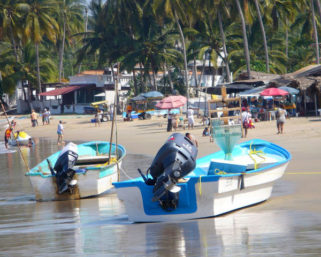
pixel 225 112
pixel 315 104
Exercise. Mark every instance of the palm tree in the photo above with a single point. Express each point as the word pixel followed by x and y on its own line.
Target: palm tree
pixel 39 22
pixel 153 49
pixel 178 11
pixel 257 6
pixel 315 33
pixel 70 21
pixel 245 41
pixel 11 12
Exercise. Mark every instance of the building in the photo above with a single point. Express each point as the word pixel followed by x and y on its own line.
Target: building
pixel 77 95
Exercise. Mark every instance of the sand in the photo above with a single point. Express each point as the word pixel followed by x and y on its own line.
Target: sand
pixel 302 138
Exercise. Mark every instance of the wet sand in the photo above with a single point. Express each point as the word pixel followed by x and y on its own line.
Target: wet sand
pixel 288 224
pixel 302 138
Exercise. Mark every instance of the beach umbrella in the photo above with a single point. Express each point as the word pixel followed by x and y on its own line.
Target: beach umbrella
pixel 153 94
pixel 290 90
pixel 272 91
pixel 140 97
pixel 171 102
pixel 252 92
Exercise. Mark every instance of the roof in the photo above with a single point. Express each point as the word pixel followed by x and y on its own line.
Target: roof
pixel 91 72
pixel 310 70
pixel 256 75
pixel 60 91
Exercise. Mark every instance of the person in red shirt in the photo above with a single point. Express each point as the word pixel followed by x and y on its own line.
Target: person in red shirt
pixel 7 135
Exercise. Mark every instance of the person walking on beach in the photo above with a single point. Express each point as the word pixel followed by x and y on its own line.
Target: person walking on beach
pixel 129 112
pixel 34 118
pixel 280 118
pixel 60 132
pixel 97 118
pixel 169 121
pixel 245 120
pixel 190 117
pixel 48 114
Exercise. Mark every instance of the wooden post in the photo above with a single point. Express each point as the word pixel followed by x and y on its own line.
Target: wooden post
pixel 225 100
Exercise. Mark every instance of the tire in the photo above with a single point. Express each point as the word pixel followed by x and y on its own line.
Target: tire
pixel 105 119
pixel 148 116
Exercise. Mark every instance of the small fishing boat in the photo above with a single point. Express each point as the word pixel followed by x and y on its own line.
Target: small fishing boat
pixel 79 171
pixel 19 138
pixel 179 187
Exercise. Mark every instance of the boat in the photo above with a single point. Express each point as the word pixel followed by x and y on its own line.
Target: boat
pixel 19 138
pixel 174 188
pixel 79 171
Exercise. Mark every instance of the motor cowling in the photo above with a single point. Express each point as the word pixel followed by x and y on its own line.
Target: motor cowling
pixel 174 160
pixel 64 165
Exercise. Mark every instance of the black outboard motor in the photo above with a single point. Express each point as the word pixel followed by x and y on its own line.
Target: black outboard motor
pixel 63 167
pixel 175 159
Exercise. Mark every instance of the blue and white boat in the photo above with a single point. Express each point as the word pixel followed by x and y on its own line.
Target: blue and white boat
pixel 220 182
pixel 77 171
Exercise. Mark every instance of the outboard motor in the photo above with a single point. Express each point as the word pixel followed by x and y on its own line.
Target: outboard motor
pixel 175 159
pixel 63 168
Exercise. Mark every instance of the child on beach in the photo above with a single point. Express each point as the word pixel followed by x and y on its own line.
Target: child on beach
pixel 192 138
pixel 60 132
pixel 206 132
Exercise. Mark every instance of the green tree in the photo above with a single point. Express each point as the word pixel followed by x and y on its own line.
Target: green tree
pixel 70 20
pixel 40 22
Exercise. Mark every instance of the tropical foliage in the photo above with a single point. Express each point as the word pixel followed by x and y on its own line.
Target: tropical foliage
pixel 48 40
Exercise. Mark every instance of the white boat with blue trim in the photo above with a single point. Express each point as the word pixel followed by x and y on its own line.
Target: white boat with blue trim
pixel 176 189
pixel 79 171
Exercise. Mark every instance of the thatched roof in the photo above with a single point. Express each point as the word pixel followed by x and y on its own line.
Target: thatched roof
pixel 308 71
pixel 306 79
pixel 256 76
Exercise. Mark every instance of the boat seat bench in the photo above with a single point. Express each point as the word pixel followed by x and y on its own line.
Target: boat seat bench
pixel 89 159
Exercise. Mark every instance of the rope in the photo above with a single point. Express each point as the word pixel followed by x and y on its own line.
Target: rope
pixel 255 152
pixel 219 172
pixel 200 185
pixel 125 173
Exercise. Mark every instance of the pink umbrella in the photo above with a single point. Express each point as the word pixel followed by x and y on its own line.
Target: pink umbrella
pixel 273 92
pixel 171 102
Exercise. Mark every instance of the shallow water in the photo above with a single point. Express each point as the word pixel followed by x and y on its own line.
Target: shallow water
pixel 99 226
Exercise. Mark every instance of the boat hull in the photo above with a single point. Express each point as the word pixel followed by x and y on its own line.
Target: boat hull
pixel 202 196
pixel 92 180
pixel 88 184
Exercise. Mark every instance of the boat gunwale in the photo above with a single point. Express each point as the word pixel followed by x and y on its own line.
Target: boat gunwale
pixel 135 182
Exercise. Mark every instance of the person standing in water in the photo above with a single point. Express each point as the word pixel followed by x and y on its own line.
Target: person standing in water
pixel 7 135
pixel 60 132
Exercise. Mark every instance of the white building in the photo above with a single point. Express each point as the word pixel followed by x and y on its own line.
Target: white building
pixel 79 93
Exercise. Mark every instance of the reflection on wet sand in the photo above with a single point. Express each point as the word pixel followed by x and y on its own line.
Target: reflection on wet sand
pixel 221 236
